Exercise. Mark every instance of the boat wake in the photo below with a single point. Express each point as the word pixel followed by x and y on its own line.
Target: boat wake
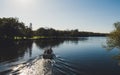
pixel 46 64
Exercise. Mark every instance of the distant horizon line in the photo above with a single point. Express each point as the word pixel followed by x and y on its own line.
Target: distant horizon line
pixel 52 27
pixel 70 30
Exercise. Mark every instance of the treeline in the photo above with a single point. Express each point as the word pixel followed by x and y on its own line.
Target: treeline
pixel 66 33
pixel 12 28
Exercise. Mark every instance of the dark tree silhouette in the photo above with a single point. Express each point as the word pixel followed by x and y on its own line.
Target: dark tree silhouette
pixel 12 28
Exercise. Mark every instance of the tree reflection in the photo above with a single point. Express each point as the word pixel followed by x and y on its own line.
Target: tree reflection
pixel 14 49
pixel 48 42
pixel 10 49
pixel 111 44
pixel 54 42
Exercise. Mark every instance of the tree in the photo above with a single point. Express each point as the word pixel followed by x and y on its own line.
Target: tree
pixel 113 41
pixel 11 27
pixel 74 33
pixel 41 32
pixel 29 32
pixel 114 37
pixel 117 26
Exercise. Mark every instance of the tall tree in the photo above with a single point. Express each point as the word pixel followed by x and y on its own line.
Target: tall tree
pixel 11 27
pixel 29 32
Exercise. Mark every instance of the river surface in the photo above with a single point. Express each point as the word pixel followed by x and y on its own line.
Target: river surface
pixel 70 56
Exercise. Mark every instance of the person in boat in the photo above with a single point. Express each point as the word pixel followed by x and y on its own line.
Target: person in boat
pixel 48 51
pixel 48 54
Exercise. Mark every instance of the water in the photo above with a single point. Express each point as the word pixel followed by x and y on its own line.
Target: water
pixel 73 56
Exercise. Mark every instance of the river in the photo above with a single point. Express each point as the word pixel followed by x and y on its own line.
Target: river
pixel 70 56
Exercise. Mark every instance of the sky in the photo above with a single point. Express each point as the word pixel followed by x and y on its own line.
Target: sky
pixel 84 15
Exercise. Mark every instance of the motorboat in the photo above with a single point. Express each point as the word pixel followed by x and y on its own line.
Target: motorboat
pixel 48 54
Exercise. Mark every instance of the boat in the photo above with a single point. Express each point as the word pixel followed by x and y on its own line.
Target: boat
pixel 48 54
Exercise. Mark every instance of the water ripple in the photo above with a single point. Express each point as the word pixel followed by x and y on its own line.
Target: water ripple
pixel 41 66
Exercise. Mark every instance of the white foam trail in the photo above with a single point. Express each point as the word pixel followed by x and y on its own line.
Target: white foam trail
pixel 40 67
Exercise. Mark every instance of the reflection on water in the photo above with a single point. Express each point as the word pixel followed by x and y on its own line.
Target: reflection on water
pixel 112 44
pixel 42 65
pixel 15 50
pixel 12 53
pixel 46 64
pixel 55 42
pixel 57 56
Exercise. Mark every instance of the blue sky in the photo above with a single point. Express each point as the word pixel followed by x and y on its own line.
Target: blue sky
pixel 85 15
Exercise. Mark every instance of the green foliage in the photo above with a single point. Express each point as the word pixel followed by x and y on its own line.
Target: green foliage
pixel 113 41
pixel 50 32
pixel 117 25
pixel 114 37
pixel 11 27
